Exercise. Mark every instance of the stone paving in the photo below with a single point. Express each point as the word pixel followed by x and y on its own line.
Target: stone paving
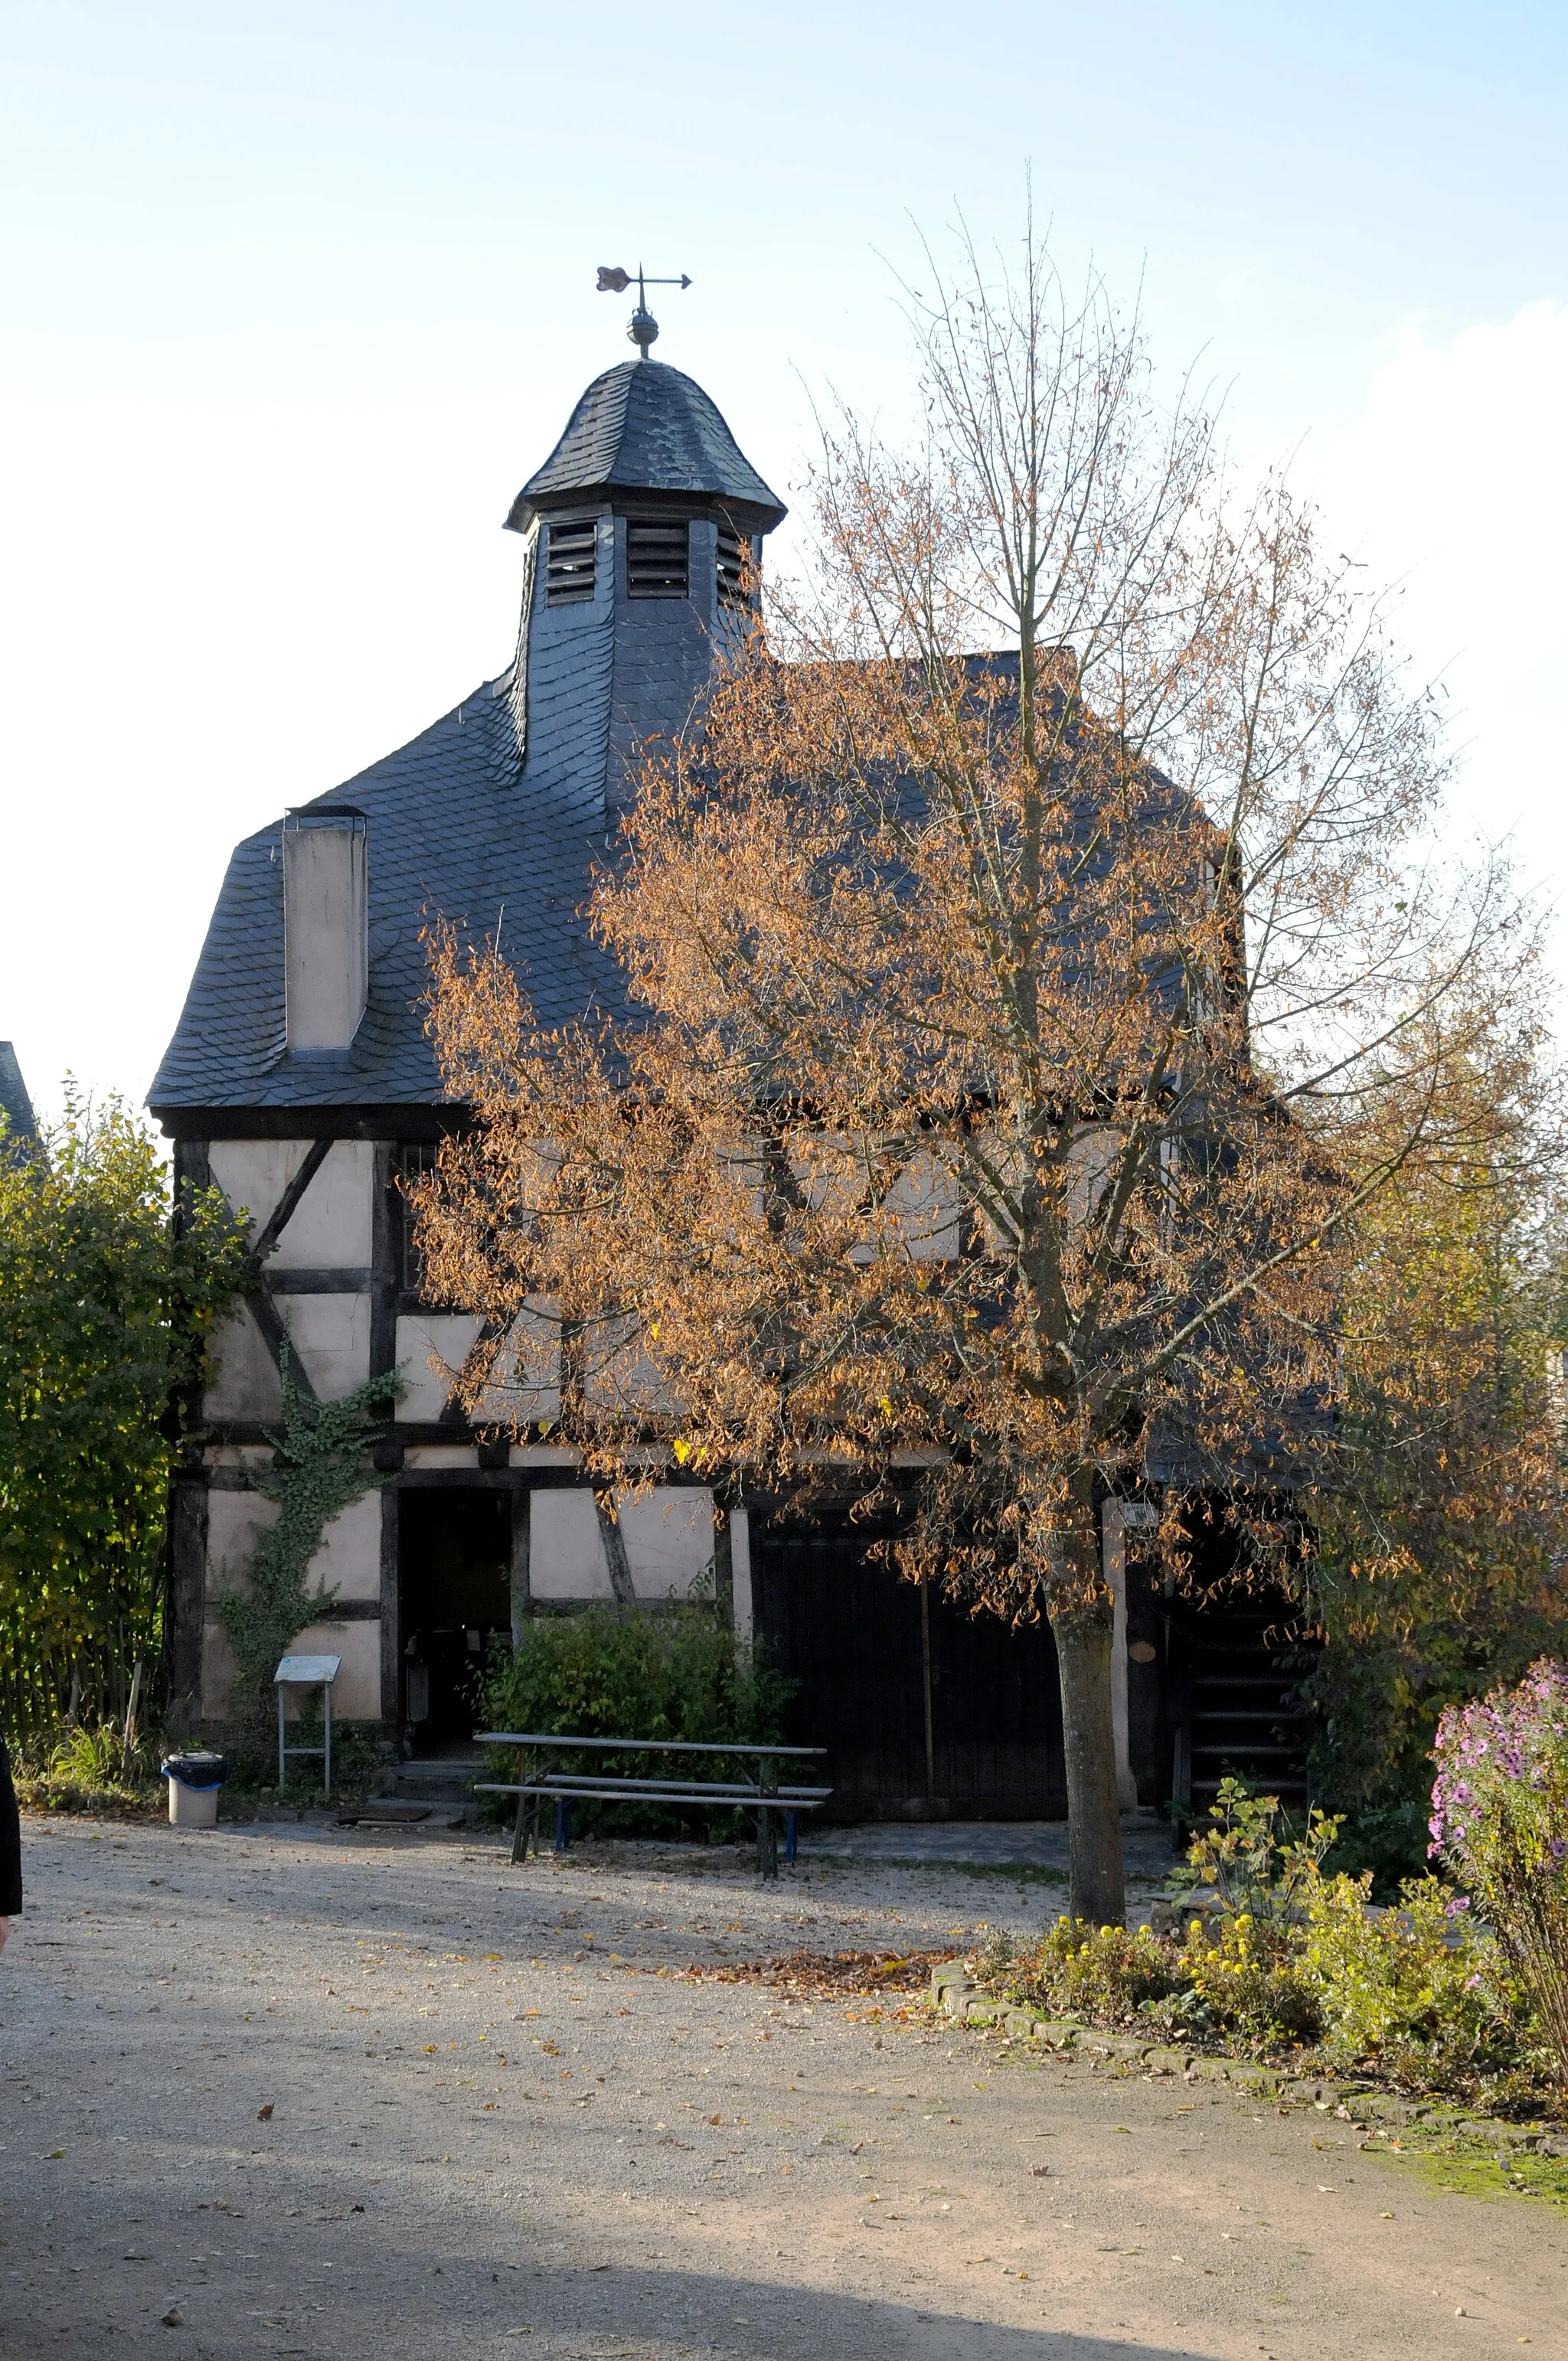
pixel 988 1844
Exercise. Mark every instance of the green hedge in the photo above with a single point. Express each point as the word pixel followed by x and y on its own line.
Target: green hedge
pixel 614 1672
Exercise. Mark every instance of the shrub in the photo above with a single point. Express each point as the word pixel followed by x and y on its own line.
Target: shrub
pixel 1250 1858
pixel 103 1306
pixel 1416 1992
pixel 611 1672
pixel 1501 1820
pixel 1419 1992
pixel 94 1757
pixel 1102 1972
pixel 1248 1974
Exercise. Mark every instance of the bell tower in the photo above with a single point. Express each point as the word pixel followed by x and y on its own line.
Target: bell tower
pixel 645 527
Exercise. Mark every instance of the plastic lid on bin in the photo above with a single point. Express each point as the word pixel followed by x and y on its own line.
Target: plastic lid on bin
pixel 197 1769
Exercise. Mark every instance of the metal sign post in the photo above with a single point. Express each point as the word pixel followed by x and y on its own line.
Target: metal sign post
pixel 306 1672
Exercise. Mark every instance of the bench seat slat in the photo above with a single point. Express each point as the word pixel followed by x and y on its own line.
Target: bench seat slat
pixel 709 1786
pixel 636 1745
pixel 745 1800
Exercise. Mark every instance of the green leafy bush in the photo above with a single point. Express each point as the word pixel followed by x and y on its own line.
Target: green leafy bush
pixel 1249 1857
pixel 104 1304
pixel 1416 1992
pixel 94 1757
pixel 613 1671
pixel 1107 1974
pixel 84 1770
pixel 1250 1979
pixel 1276 1957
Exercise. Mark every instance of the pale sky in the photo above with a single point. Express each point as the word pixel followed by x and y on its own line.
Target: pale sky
pixel 294 298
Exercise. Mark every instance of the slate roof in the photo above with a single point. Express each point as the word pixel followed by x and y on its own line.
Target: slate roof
pixel 458 827
pixel 644 426
pixel 14 1100
pixel 455 827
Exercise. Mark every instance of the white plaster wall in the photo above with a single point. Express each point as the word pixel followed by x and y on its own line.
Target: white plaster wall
pixel 620 1373
pixel 217 1669
pixel 441 1454
pixel 356 1692
pixel 443 1338
pixel 331 1334
pixel 740 1579
pixel 349 1558
pixel 329 1228
pixel 669 1538
pixel 925 1201
pixel 254 1173
pixel 236 1520
pixel 566 1552
pixel 241 1380
pixel 527 1386
pixel 356 1695
pixel 667 1533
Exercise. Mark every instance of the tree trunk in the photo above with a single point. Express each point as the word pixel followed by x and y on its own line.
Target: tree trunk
pixel 1096 1891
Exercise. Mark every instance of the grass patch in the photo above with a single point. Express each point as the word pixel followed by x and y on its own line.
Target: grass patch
pixel 1450 2170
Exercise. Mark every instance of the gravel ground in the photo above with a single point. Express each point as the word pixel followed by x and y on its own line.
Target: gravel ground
pixel 297 2091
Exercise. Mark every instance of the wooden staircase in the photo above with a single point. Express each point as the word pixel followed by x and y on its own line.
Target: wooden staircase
pixel 1240 1716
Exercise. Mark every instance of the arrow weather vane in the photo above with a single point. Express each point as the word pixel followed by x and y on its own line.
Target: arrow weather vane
pixel 642 327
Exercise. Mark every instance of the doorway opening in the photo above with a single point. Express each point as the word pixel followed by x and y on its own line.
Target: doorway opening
pixel 454 1601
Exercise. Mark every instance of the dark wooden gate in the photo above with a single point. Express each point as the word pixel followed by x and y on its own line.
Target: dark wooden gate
pixel 869 1653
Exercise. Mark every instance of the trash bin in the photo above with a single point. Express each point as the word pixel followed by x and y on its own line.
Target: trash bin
pixel 193 1784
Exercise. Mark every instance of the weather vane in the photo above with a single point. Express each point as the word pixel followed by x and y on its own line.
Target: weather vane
pixel 642 326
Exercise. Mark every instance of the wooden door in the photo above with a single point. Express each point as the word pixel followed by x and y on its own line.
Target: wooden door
pixel 867 1652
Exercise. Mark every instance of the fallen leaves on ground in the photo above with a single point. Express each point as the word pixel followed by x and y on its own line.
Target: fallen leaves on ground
pixel 831 1975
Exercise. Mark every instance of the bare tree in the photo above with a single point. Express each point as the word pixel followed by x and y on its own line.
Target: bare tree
pixel 1007 1022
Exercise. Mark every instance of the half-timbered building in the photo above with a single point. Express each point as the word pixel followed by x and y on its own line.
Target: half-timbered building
pixel 300 1081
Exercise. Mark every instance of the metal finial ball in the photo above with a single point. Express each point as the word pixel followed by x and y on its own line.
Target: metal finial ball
pixel 643 328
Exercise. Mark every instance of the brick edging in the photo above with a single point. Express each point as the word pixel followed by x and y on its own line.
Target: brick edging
pixel 956 1993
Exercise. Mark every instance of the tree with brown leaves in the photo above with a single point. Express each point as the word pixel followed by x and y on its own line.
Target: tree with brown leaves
pixel 1442 1565
pixel 1005 1023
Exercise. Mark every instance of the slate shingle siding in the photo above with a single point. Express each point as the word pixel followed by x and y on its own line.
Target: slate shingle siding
pixel 452 829
pixel 14 1100
pixel 457 825
pixel 645 426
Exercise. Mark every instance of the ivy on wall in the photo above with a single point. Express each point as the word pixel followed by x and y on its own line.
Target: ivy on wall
pixel 319 1470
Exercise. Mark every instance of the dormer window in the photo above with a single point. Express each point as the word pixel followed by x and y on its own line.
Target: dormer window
pixel 658 559
pixel 734 559
pixel 569 561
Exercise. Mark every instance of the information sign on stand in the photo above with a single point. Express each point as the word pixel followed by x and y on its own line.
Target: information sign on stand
pixel 306 1672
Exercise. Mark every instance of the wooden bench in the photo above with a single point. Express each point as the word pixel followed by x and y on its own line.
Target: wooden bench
pixel 541 1779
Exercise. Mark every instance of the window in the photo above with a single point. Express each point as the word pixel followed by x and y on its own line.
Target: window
pixel 413 1163
pixel 569 561
pixel 658 559
pixel 734 558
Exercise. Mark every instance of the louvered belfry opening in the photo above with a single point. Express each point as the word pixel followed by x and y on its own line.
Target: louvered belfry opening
pixel 734 558
pixel 569 561
pixel 658 558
